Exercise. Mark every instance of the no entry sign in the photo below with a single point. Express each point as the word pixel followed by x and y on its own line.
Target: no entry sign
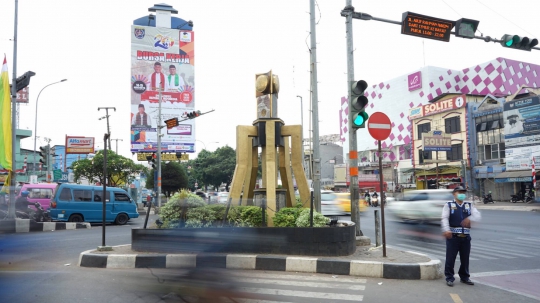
pixel 379 126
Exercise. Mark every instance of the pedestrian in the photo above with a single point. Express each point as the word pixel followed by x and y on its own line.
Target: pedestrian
pixel 456 226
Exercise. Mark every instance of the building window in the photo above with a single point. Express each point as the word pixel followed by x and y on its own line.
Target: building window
pixel 423 155
pixel 423 128
pixel 491 152
pixel 452 125
pixel 456 153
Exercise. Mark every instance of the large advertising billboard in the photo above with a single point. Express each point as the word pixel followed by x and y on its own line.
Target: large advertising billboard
pixel 521 132
pixel 162 61
pixel 437 107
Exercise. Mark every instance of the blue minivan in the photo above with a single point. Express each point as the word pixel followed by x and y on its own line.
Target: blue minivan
pixel 84 203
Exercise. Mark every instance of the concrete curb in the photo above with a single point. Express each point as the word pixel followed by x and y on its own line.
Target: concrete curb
pixel 27 225
pixel 431 270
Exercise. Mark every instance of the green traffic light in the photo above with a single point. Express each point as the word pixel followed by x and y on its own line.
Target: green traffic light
pixel 360 119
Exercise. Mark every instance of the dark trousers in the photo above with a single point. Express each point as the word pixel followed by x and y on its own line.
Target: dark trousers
pixel 454 246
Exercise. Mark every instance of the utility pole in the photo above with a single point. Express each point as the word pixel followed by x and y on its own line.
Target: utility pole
pixel 13 176
pixel 315 113
pixel 48 159
pixel 353 146
pixel 107 116
pixel 117 144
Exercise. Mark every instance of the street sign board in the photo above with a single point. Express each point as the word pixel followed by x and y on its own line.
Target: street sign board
pixel 426 27
pixel 164 157
pixel 437 141
pixel 379 126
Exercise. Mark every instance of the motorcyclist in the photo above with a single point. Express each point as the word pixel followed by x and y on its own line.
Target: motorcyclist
pixel 367 197
pixel 21 204
pixel 375 196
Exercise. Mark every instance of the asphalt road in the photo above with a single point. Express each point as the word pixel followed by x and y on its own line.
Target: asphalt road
pixel 41 267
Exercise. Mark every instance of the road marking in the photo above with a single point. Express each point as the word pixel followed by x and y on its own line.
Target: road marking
pixel 302 294
pixel 474 254
pixel 498 249
pixel 456 298
pixel 517 242
pixel 529 239
pixel 506 272
pixel 435 252
pixel 337 279
pixel 335 284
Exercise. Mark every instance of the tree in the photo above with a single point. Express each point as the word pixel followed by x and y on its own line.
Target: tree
pixel 173 178
pixel 120 169
pixel 217 167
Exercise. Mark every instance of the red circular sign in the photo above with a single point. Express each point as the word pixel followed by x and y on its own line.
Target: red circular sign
pixel 186 97
pixel 379 126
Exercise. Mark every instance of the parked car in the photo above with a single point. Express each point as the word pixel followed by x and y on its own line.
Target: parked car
pixel 330 204
pixel 201 194
pixel 84 203
pixel 223 197
pixel 421 205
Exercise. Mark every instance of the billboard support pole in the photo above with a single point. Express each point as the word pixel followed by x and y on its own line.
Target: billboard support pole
pixel 159 149
pixel 437 170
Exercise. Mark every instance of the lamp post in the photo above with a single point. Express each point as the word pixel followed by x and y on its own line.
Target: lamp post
pixel 205 144
pixel 35 124
pixel 302 122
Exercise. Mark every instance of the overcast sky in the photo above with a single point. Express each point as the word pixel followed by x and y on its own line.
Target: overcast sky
pixel 88 42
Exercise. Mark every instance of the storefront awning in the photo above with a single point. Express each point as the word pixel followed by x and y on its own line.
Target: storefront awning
pixel 446 177
pixel 514 176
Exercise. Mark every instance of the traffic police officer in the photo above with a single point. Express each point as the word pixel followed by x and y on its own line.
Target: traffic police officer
pixel 456 226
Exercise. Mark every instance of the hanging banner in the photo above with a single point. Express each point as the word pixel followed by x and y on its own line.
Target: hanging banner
pixel 162 66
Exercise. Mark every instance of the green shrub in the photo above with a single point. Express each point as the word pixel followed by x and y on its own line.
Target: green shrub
pixel 171 212
pixel 200 217
pixel 251 216
pixel 286 217
pixel 219 210
pixel 318 219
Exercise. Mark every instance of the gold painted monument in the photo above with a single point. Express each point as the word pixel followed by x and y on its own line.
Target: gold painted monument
pixel 273 136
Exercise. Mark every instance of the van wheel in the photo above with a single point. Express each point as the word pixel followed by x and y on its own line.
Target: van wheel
pixel 76 218
pixel 121 219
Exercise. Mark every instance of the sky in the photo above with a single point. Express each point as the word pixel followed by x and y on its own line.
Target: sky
pixel 88 43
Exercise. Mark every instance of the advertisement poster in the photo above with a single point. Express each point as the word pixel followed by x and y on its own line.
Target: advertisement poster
pixel 162 63
pixel 522 122
pixel 79 145
pixel 437 107
pixel 521 158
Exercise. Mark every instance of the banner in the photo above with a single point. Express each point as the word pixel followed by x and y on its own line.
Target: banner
pixel 437 107
pixel 162 64
pixel 436 141
pixel 79 145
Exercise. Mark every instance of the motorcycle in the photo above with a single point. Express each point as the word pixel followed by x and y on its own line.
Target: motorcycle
pixel 516 198
pixel 487 198
pixel 374 201
pixel 40 215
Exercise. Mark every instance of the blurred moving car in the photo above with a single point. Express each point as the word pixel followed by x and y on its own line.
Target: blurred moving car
pixel 223 197
pixel 330 204
pixel 421 205
pixel 201 194
pixel 345 202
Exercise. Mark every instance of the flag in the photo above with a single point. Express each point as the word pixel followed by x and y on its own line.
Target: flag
pixel 5 119
pixel 5 188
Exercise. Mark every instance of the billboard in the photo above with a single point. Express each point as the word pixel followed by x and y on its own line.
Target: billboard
pixel 162 64
pixel 79 145
pixel 436 141
pixel 522 122
pixel 437 107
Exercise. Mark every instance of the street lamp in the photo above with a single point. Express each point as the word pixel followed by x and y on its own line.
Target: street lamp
pixel 35 124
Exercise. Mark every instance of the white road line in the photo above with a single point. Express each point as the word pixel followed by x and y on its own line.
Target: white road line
pixel 434 252
pixel 529 239
pixel 498 249
pixel 334 284
pixel 303 294
pixel 417 249
pixel 517 243
pixel 337 279
pixel 442 247
pixel 256 301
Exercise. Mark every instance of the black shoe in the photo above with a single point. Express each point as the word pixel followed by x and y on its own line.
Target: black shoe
pixel 468 282
pixel 450 283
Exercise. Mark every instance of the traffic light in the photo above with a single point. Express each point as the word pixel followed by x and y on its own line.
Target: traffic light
pixel 43 155
pixel 153 161
pixel 358 104
pixel 24 80
pixel 517 42
pixel 193 114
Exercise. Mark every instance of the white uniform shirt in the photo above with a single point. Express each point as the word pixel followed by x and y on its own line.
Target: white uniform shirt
pixel 445 224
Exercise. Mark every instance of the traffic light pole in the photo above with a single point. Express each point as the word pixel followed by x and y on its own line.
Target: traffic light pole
pixel 315 113
pixel 353 146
